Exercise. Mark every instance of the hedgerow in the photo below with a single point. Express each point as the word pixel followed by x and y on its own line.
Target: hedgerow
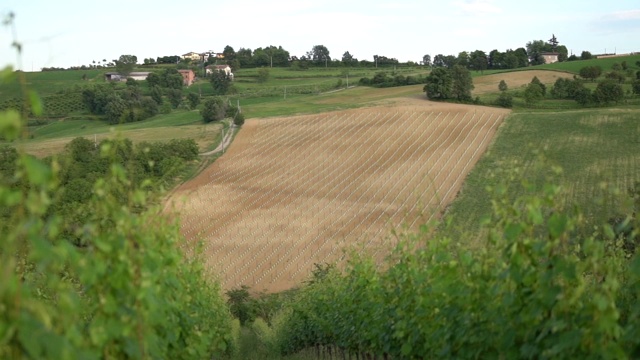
pixel 535 289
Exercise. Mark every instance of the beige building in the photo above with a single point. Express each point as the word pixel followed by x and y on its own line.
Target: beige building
pixel 194 56
pixel 550 57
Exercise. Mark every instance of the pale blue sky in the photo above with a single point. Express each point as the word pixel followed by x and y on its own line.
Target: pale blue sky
pixel 71 32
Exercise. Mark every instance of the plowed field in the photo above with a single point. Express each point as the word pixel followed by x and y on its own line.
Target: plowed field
pixel 295 191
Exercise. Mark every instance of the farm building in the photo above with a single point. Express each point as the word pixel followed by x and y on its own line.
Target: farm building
pixel 227 70
pixel 550 57
pixel 114 76
pixel 188 77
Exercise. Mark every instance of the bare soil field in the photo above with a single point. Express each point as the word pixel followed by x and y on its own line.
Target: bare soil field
pixel 295 191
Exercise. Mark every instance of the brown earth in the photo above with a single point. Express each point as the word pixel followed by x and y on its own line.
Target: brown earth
pixel 295 191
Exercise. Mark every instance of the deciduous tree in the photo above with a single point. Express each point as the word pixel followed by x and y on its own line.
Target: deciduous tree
pixel 438 84
pixel 462 84
pixel 125 64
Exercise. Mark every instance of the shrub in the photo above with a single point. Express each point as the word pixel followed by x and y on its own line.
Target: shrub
pixel 590 72
pixel 194 100
pixel 608 91
pixel 505 100
pixel 533 93
pixel 213 110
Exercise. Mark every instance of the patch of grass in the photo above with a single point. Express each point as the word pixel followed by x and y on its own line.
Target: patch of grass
pixel 598 150
pixel 605 64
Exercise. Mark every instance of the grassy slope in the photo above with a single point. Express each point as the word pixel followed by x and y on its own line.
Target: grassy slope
pixel 596 148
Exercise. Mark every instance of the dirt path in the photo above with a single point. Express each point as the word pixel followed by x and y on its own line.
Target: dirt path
pixel 224 144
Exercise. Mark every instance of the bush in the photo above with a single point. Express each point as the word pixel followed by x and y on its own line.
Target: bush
pixel 194 100
pixel 590 72
pixel 175 97
pixel 533 93
pixel 214 109
pixel 608 91
pixel 505 100
pixel 238 120
pixel 616 76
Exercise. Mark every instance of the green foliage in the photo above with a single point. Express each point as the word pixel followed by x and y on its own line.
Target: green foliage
pixel 175 97
pixel 505 100
pixel 533 93
pixel 636 86
pixel 616 75
pixel 193 99
pixel 156 94
pixel 115 109
pixel 220 82
pixel 125 64
pixel 263 74
pixel 238 119
pixel 502 86
pixel 533 291
pixel 214 109
pixel 608 91
pixel 585 55
pixel 462 84
pixel 590 72
pixel 438 84
pixel 537 81
pixel 127 293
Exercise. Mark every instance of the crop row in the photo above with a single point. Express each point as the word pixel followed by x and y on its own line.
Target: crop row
pixel 308 187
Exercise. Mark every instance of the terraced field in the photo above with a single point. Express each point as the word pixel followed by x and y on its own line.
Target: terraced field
pixel 295 191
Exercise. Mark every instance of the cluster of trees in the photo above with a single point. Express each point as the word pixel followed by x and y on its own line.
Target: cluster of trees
pixel 171 59
pixel 127 105
pixel 454 83
pixel 385 79
pixel 99 270
pixel 216 108
pixel 478 60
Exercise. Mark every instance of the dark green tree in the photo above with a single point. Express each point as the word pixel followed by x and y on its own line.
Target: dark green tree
pixel 478 61
pixel 590 72
pixel 125 64
pixel 228 53
pixel 220 82
pixel 608 91
pixel 635 86
pixel 426 60
pixel 585 55
pixel 502 86
pixel 462 84
pixel 320 54
pixel 115 110
pixel 213 110
pixel 533 93
pixel 563 53
pixel 463 59
pixel 535 49
pixel 194 100
pixel 535 80
pixel 153 79
pixel 175 97
pixel 156 94
pixel 505 100
pixel 438 84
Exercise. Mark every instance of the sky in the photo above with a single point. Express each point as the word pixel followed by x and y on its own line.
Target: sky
pixel 66 33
